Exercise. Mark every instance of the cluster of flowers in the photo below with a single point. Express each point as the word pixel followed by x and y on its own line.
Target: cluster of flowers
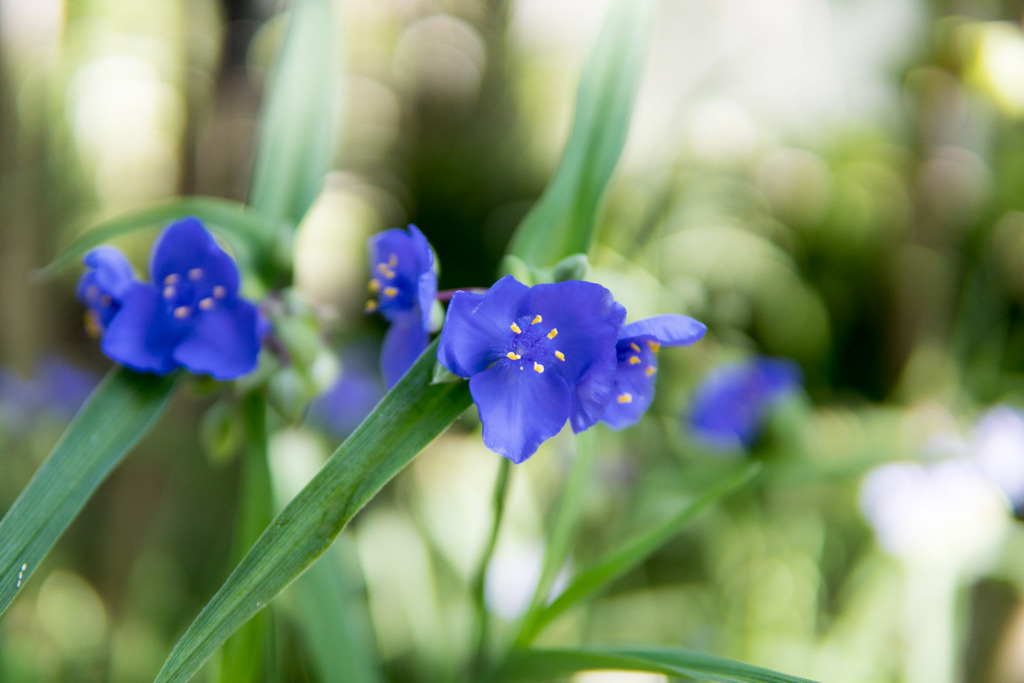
pixel 536 357
pixel 189 316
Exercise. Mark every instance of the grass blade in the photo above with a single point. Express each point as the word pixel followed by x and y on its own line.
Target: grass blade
pixel 297 126
pixel 627 557
pixel 249 234
pixel 562 221
pixel 545 664
pixel 405 421
pixel 119 412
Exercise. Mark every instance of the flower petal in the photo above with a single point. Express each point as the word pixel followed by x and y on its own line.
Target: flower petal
pixel 476 327
pixel 519 409
pixel 403 344
pixel 222 342
pixel 670 330
pixel 634 382
pixel 110 272
pixel 186 246
pixel 141 336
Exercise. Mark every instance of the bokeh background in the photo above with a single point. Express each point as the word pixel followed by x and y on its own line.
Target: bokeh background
pixel 835 182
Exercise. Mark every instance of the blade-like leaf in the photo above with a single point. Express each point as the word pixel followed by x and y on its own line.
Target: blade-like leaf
pixel 545 664
pixel 405 421
pixel 119 412
pixel 297 126
pixel 562 221
pixel 627 557
pixel 249 234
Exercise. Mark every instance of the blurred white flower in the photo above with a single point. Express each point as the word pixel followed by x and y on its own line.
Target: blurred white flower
pixel 999 449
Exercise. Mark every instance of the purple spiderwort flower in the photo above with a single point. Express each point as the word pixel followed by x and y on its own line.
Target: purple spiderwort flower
pixel 404 284
pixel 57 389
pixel 730 404
pixel 103 286
pixel 535 357
pixel 637 353
pixel 190 315
pixel 355 392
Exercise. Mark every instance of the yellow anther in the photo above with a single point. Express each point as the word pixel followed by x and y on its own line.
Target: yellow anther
pixel 169 292
pixel 92 325
pixel 385 271
pixel 195 273
pixel 559 355
pixel 219 292
pixel 172 279
pixel 633 360
pixel 536 319
pixel 391 291
pixel 625 398
pixel 392 260
pixel 374 285
pixel 553 333
pixel 634 346
pixel 206 304
pixel 515 328
pixel 182 312
pixel 538 367
pixel 650 370
pixel 654 345
pixel 371 306
pixel 92 292
pixel 105 300
pixel 512 355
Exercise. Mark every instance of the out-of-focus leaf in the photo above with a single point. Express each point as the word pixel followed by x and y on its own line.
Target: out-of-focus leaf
pixel 525 665
pixel 627 557
pixel 119 412
pixel 250 235
pixel 409 417
pixel 297 125
pixel 562 221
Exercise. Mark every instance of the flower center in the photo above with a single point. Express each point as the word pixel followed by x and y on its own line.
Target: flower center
pixel 185 295
pixel 393 289
pixel 531 344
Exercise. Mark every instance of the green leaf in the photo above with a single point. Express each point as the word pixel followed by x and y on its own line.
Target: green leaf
pixel 405 421
pixel 297 127
pixel 544 664
pixel 119 412
pixel 563 219
pixel 627 557
pixel 249 234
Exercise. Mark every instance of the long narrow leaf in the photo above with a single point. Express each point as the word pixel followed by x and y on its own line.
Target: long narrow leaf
pixel 119 412
pixel 627 557
pixel 545 664
pixel 562 221
pixel 297 126
pixel 250 234
pixel 405 421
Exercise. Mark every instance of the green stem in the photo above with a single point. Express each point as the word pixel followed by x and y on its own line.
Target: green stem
pixel 480 581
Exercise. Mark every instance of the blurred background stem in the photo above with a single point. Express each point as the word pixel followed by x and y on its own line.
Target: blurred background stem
pixel 480 580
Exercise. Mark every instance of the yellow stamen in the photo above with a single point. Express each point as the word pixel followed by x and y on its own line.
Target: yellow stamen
pixel 172 279
pixel 385 271
pixel 219 292
pixel 371 306
pixel 206 304
pixel 92 325
pixel 512 355
pixel 625 398
pixel 392 260
pixel 633 360
pixel 391 291
pixel 195 273
pixel 634 346
pixel 374 285
pixel 182 312
pixel 538 367
pixel 106 300
pixel 553 333
pixel 654 345
pixel 650 370
pixel 559 355
pixel 515 328
pixel 536 319
pixel 169 292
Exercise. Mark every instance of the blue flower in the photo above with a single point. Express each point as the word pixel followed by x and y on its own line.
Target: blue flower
pixel 637 352
pixel 190 316
pixel 730 404
pixel 535 357
pixel 58 389
pixel 404 283
pixel 103 286
pixel 355 392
